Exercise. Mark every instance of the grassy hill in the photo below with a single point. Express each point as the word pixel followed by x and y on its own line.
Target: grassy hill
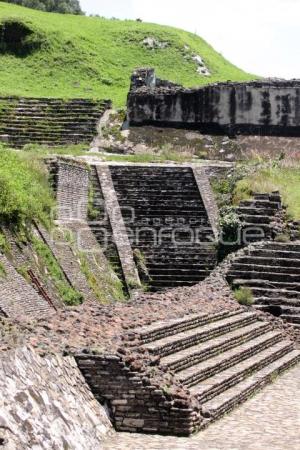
pixel 71 56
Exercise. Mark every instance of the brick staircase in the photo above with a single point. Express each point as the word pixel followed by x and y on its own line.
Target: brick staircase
pixel 167 222
pixel 272 271
pixel 49 121
pixel 222 358
pixel 260 212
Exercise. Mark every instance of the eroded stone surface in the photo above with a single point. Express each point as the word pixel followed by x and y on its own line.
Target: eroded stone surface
pixel 45 404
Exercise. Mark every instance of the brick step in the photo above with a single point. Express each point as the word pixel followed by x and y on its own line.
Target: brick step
pixel 180 341
pixel 164 328
pixel 266 283
pixel 198 353
pixel 273 269
pixel 237 394
pixel 255 219
pixel 214 386
pixel 257 275
pixel 292 318
pixel 264 261
pixel 216 364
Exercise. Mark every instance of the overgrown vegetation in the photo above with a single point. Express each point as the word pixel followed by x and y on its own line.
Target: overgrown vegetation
pixel 25 194
pixel 68 294
pixel 272 178
pixel 106 288
pixel 244 296
pixel 94 57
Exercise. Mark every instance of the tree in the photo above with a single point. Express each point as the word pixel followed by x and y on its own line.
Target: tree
pixel 60 6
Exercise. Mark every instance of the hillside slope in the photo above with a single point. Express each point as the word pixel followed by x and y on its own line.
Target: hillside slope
pixel 46 54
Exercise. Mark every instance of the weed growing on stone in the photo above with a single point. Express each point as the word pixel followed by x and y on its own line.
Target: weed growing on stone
pixel 68 294
pixel 244 296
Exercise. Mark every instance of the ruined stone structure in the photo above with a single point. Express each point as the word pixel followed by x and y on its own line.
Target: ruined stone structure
pixel 49 121
pixel 209 363
pixel 265 107
pixel 272 271
pixel 167 222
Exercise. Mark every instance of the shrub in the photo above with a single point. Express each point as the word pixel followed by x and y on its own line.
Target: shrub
pixel 244 296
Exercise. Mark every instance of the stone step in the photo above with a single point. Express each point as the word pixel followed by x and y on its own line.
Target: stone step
pixel 282 246
pixel 292 318
pixel 164 328
pixel 240 267
pixel 255 219
pixel 166 346
pixel 265 253
pixel 283 278
pixel 284 303
pixel 216 364
pixel 226 401
pixel 264 283
pixel 260 204
pixel 267 292
pixel 290 310
pixel 247 211
pixel 170 272
pixel 264 261
pixel 197 353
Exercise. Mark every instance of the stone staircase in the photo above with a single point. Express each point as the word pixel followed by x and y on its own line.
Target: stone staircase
pixel 167 222
pixel 260 212
pixel 272 271
pixel 49 121
pixel 222 358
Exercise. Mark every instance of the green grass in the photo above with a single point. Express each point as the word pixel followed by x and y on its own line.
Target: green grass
pixel 75 56
pixel 24 190
pixel 268 179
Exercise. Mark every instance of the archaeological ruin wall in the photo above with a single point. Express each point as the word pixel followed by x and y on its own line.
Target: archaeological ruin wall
pixel 265 107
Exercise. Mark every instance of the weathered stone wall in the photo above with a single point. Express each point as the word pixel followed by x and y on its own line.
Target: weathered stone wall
pixel 258 107
pixel 46 404
pixel 137 405
pixel 72 190
pixel 17 297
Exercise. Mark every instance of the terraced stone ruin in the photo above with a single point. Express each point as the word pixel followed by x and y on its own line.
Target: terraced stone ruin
pixel 49 121
pixel 125 298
